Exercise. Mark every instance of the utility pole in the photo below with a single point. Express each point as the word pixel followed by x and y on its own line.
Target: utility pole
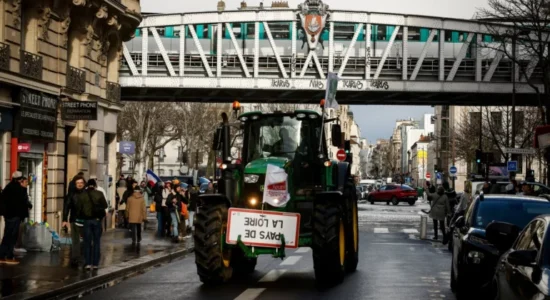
pixel 513 144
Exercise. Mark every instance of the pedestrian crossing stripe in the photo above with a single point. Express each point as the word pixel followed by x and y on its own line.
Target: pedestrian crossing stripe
pixel 406 230
pixel 410 230
pixel 381 230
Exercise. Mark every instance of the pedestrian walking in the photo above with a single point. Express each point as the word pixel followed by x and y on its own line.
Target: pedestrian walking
pixel 439 211
pixel 90 207
pixel 136 214
pixel 166 217
pixel 120 208
pixel 146 192
pixel 18 246
pixel 131 185
pixel 157 196
pixel 76 187
pixel 174 202
pixel 14 208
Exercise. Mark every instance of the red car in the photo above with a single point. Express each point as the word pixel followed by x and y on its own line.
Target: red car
pixel 394 193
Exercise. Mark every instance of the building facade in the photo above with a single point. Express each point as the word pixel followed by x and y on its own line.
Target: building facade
pixel 54 52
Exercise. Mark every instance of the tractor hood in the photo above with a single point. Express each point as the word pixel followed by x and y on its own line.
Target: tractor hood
pixel 259 166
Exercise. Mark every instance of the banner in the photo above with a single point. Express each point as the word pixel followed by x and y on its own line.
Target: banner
pixel 332 88
pixel 276 186
pixel 79 110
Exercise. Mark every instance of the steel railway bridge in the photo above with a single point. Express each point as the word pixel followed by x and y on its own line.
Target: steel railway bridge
pixel 284 55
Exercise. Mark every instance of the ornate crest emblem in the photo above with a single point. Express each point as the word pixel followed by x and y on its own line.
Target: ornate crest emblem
pixel 313 15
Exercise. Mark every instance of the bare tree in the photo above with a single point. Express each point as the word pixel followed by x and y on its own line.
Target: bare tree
pixel 496 130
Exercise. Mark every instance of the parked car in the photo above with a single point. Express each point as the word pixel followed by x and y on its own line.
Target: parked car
pixel 474 258
pixel 394 193
pixel 538 188
pixel 359 192
pixel 523 271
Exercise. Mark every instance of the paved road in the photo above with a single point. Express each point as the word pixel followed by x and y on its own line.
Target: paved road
pixel 394 264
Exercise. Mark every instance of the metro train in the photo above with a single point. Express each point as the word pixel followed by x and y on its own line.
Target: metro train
pixel 282 33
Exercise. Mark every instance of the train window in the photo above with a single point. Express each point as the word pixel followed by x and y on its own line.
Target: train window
pixel 381 32
pixel 448 36
pixel 414 34
pixel 250 30
pixel 279 30
pixel 487 38
pixel 177 31
pixel 205 31
pixel 237 31
pixel 161 31
pixel 344 31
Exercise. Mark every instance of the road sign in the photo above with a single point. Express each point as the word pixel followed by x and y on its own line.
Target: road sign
pixel 341 155
pixel 438 175
pixel 519 150
pixel 452 170
pixel 126 147
pixel 262 228
pixel 512 166
pixel 428 175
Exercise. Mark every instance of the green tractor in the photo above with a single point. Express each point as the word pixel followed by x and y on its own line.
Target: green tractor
pixel 236 225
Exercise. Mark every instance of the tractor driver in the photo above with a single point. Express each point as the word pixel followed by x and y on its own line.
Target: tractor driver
pixel 286 144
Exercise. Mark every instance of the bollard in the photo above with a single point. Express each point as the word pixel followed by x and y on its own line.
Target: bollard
pixel 423 226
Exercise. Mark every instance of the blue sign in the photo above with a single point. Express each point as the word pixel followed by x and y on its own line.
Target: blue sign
pixel 452 170
pixel 438 175
pixel 127 148
pixel 512 166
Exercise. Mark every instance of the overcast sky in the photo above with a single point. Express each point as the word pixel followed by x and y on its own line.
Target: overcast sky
pixel 375 121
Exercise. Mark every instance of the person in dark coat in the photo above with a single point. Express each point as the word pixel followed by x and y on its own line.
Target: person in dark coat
pixel 440 209
pixel 14 208
pixel 69 208
pixel 157 197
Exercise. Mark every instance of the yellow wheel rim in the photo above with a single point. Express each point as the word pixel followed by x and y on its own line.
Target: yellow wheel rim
pixel 226 255
pixel 342 243
pixel 355 229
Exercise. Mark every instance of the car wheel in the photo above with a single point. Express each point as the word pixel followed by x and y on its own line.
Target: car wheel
pixel 394 201
pixel 411 203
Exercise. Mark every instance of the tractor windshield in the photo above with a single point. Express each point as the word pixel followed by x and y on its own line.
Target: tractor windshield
pixel 281 136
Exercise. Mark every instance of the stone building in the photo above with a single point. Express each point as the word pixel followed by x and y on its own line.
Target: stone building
pixel 53 54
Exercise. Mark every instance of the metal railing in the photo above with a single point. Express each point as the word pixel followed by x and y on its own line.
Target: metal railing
pixel 76 79
pixel 113 91
pixel 4 57
pixel 31 65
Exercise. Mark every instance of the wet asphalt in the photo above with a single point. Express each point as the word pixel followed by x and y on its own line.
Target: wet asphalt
pixel 394 264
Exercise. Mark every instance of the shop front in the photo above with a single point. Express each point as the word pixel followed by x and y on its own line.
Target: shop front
pixel 35 128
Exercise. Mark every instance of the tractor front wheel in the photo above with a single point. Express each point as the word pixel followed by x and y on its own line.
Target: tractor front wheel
pixel 212 257
pixel 352 238
pixel 328 243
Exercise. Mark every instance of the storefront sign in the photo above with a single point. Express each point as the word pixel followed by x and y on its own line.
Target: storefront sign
pixel 79 110
pixel 37 116
pixel 128 148
pixel 24 147
pixel 6 119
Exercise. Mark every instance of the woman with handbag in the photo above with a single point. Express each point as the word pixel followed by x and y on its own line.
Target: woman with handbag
pixel 440 209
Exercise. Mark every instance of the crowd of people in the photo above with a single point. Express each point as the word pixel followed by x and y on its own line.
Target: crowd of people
pixel 173 202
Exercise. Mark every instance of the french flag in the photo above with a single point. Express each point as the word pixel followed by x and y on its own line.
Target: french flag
pixel 152 178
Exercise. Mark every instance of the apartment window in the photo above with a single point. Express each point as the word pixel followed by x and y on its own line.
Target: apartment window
pixel 279 30
pixel 180 154
pixel 161 155
pixel 161 172
pixel 171 172
pixel 475 119
pixel 496 121
pixel 520 122
pixel 131 165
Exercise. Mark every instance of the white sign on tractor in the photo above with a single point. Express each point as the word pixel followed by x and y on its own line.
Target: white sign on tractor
pixel 262 228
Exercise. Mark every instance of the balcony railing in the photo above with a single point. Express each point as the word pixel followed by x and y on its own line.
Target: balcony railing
pixel 113 91
pixel 31 65
pixel 4 57
pixel 76 79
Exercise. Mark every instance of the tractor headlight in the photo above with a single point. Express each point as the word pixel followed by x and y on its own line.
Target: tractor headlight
pixel 250 178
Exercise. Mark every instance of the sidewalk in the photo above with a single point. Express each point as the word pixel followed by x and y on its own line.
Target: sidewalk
pixel 45 274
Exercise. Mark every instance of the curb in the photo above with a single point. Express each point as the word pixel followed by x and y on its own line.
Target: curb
pixel 68 289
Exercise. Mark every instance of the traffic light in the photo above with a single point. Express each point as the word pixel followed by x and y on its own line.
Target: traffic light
pixel 479 155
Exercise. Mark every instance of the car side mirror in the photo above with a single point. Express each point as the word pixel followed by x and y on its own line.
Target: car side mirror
pixel 336 135
pixel 460 222
pixel 522 257
pixel 502 235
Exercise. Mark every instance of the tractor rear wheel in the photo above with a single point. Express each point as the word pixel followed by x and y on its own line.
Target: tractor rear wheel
pixel 212 258
pixel 352 238
pixel 328 244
